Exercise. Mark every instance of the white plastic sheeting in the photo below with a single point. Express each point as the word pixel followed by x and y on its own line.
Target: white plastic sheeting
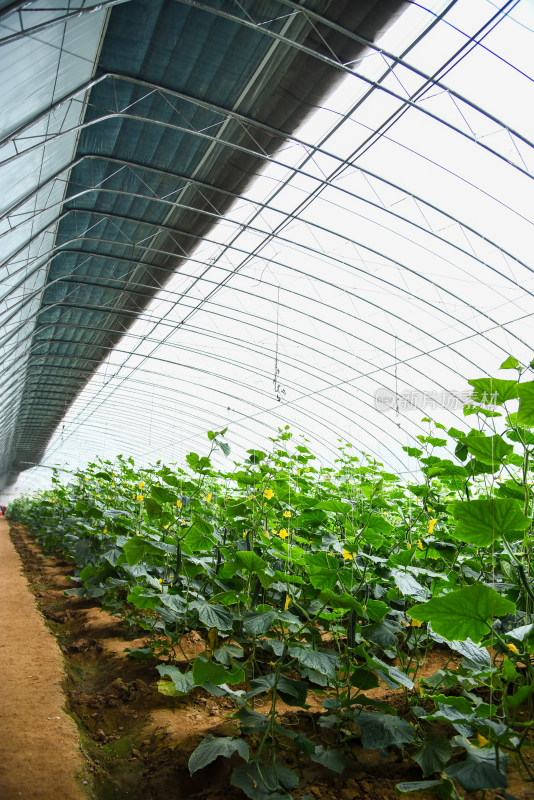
pixel 381 259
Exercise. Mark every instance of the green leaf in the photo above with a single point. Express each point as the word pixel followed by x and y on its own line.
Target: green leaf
pixel 510 363
pixel 328 757
pixel 143 598
pixel 379 731
pixel 433 755
pixel 340 601
pixel 464 614
pixel 488 449
pixel 136 548
pixel 525 414
pixel 199 537
pixel 364 679
pixel 250 560
pixel 337 506
pixel 518 698
pixel 493 391
pixel 256 781
pixel 182 681
pixel 479 522
pixel 212 747
pixel 324 663
pixel 213 615
pixel 152 508
pixel 475 775
pixel 205 671
pixel 443 788
pixel 162 495
pixel 258 623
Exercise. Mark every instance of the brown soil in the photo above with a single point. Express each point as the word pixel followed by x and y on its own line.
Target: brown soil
pixel 139 741
pixel 39 744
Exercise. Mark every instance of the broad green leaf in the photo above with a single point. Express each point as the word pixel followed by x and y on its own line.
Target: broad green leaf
pixel 433 755
pixel 493 391
pixel 464 614
pixel 258 623
pixel 510 363
pixel 152 508
pixel 214 616
pixel 525 414
pixel 205 671
pixel 476 775
pixel 250 560
pixel 182 681
pixel 336 506
pixel 488 449
pixel 518 698
pixel 479 522
pixel 256 781
pixel 138 547
pixel 377 523
pixel 324 663
pixel 143 598
pixel 199 537
pixel 328 757
pixel 364 679
pixel 212 747
pixel 407 585
pixel 343 601
pixel 162 495
pixel 379 731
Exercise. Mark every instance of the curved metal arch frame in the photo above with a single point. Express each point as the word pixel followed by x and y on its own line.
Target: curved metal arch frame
pixel 86 212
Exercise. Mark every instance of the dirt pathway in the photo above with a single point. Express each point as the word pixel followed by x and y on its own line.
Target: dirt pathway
pixel 39 745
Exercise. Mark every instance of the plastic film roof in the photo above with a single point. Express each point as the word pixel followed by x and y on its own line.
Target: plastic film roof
pixel 189 245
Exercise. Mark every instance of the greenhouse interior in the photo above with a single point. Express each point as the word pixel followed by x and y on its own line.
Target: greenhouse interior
pixel 267 408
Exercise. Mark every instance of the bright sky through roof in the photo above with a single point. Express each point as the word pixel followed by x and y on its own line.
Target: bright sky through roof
pixel 385 248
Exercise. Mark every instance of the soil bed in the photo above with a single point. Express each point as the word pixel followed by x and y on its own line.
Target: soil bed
pixel 138 741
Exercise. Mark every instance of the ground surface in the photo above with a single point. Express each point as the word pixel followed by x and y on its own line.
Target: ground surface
pixel 39 750
pixel 138 741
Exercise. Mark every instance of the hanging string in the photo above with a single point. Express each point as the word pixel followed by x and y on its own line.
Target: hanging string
pixel 277 388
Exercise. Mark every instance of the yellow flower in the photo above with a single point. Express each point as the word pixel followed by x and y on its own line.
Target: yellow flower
pixel 347 555
pixel 416 623
pixel 165 527
pixel 250 497
pixel 287 603
pixel 513 648
pixel 268 494
pixel 419 544
pixel 282 533
pixel 179 503
pixel 86 478
pixel 308 469
pixel 409 547
pixel 105 530
pixel 160 580
pixel 287 514
pixel 278 465
pixel 482 741
pixel 141 485
pixel 431 526
pixel 207 498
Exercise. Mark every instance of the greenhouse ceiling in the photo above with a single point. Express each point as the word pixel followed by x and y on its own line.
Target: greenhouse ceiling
pixel 247 214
